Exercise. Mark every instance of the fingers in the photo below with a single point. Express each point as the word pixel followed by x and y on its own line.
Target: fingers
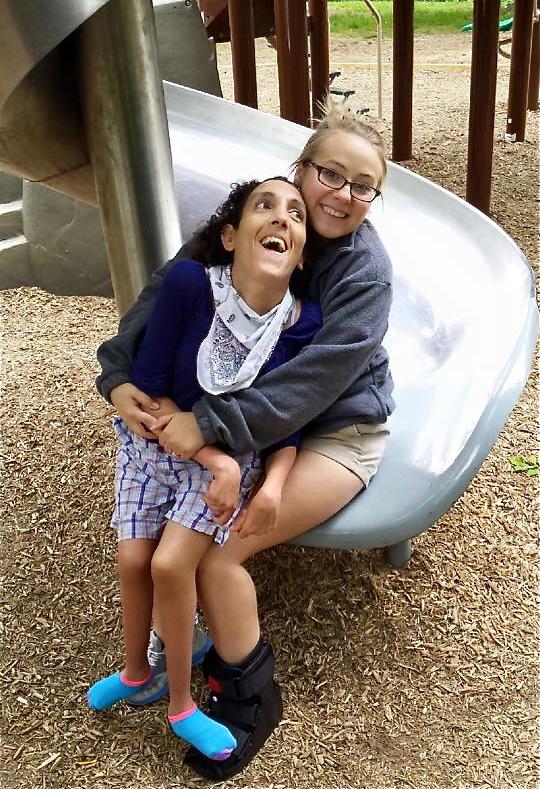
pixel 222 517
pixel 147 421
pixel 162 422
pixel 143 399
pixel 249 525
pixel 239 521
pixel 221 510
pixel 139 429
pixel 145 433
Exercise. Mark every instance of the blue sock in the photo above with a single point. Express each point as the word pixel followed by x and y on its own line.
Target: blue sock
pixel 108 691
pixel 209 737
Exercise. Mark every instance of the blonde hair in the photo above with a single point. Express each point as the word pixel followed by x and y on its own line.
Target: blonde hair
pixel 337 117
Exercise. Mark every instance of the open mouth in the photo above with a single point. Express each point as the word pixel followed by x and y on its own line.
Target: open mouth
pixel 274 244
pixel 332 212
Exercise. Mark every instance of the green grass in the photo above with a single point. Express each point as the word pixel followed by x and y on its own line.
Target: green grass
pixel 352 17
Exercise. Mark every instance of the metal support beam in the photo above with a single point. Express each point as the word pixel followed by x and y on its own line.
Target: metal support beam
pixel 126 126
pixel 485 42
pixel 402 99
pixel 291 32
pixel 243 52
pixel 519 70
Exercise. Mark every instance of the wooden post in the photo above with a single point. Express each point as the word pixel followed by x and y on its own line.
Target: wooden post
pixel 534 72
pixel 403 45
pixel 291 34
pixel 519 70
pixel 320 65
pixel 485 42
pixel 243 52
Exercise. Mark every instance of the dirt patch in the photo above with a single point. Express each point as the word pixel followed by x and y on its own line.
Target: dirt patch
pixel 424 678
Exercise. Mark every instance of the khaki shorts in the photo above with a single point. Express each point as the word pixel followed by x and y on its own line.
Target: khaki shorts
pixel 357 447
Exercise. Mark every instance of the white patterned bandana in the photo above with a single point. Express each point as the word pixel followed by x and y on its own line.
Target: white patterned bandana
pixel 239 341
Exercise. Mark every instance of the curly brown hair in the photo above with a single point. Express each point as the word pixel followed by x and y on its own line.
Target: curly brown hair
pixel 206 245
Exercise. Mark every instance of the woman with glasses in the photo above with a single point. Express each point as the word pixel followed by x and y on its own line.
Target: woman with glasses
pixel 338 390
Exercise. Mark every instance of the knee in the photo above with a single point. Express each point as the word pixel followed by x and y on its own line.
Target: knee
pixel 133 565
pixel 214 571
pixel 164 569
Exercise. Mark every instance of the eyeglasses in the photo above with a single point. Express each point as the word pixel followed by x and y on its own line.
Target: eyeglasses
pixel 333 180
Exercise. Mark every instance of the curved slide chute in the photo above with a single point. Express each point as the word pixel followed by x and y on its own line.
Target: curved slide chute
pixel 464 320
pixel 462 329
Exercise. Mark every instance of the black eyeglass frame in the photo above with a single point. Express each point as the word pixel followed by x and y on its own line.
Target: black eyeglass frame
pixel 350 184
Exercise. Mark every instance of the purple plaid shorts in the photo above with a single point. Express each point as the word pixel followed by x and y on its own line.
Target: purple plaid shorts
pixel 153 487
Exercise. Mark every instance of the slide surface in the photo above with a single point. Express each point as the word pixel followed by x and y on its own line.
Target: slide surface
pixel 462 329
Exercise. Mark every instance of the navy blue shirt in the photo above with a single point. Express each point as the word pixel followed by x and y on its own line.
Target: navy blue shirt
pixel 166 361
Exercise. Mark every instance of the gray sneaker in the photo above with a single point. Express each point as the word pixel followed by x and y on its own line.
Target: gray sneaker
pixel 159 686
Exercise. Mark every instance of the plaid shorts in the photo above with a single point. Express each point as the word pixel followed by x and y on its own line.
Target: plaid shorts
pixel 153 487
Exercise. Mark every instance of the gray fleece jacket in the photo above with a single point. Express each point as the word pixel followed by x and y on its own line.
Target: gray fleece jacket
pixel 341 378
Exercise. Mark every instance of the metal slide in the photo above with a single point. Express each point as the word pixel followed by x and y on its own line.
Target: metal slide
pixel 462 330
pixel 464 320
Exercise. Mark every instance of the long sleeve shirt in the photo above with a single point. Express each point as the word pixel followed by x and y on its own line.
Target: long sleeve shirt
pixel 166 361
pixel 342 377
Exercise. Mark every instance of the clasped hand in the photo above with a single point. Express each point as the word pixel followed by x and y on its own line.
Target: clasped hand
pixel 148 417
pixel 179 434
pixel 260 515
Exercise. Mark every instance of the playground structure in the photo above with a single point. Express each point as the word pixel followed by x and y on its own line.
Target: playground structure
pixel 520 42
pixel 458 370
pixel 240 22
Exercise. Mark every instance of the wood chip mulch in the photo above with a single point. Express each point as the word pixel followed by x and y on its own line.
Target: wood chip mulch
pixel 424 678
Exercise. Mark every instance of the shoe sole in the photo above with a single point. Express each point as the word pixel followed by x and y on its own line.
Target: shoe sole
pixel 221 771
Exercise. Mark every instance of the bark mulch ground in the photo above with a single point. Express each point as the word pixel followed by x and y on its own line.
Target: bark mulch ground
pixel 424 678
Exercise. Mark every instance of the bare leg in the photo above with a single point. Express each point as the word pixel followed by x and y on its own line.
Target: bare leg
pixel 173 569
pixel 134 558
pixel 225 589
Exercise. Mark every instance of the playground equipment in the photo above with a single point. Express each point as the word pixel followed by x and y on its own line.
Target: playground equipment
pixel 504 25
pixel 378 22
pixel 521 63
pixel 524 65
pixel 293 32
pixel 464 320
pixel 458 367
pixel 240 22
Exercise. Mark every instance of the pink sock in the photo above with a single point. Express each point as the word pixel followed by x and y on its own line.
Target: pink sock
pixel 134 683
pixel 181 715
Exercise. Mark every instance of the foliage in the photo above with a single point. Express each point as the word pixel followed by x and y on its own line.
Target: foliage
pixel 529 464
pixel 353 17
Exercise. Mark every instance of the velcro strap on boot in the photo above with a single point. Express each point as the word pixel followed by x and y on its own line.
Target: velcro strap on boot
pixel 238 685
pixel 242 714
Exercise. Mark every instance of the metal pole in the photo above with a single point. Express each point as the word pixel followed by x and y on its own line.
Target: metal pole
pixel 534 72
pixel 126 125
pixel 320 66
pixel 243 52
pixel 378 22
pixel 519 70
pixel 485 42
pixel 402 99
pixel 293 72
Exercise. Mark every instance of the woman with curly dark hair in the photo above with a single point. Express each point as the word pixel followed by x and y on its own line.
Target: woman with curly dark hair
pixel 337 390
pixel 220 320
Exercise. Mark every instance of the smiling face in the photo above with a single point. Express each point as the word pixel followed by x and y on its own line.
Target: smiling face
pixel 268 243
pixel 334 213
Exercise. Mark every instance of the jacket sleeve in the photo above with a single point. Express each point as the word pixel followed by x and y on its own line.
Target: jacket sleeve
pixel 153 368
pixel 355 318
pixel 116 355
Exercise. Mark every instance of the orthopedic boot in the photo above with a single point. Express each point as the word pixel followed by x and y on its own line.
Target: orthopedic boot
pixel 246 699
